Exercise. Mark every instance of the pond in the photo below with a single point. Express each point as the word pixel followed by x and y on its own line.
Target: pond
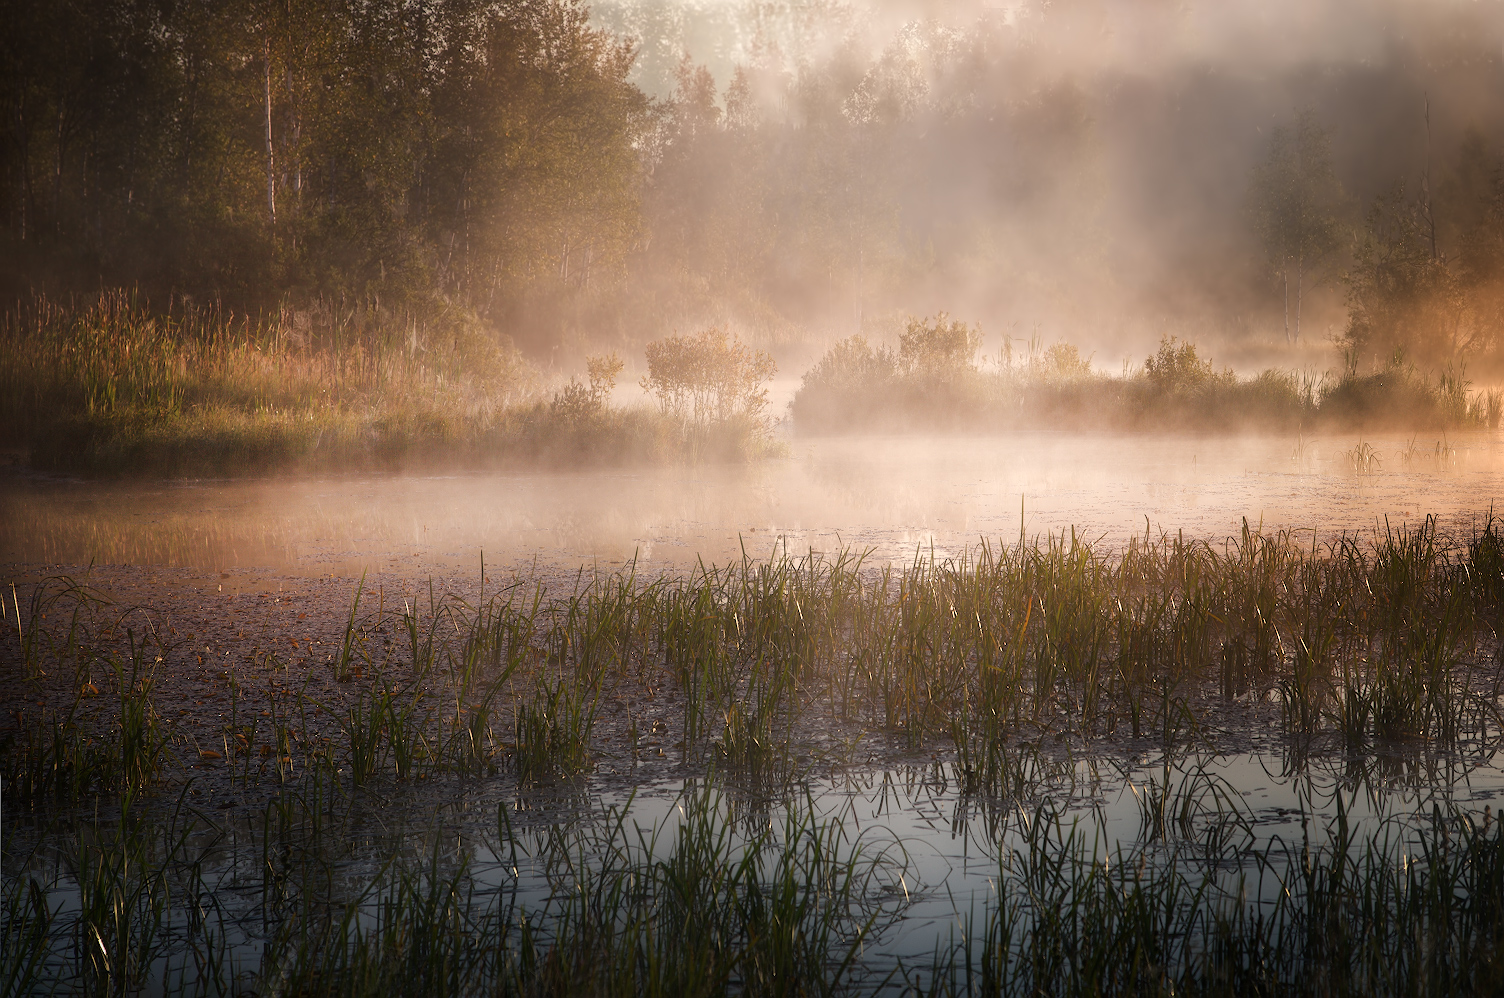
pixel 1254 829
pixel 892 497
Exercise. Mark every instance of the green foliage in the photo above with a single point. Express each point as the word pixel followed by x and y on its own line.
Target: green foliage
pixel 403 152
pixel 1403 299
pixel 1427 282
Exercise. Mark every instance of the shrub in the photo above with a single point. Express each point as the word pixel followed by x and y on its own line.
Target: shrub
pixel 938 345
pixel 1060 364
pixel 708 377
pixel 1177 370
pixel 847 385
pixel 578 403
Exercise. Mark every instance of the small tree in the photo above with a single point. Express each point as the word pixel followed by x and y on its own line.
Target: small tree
pixel 576 402
pixel 1295 199
pixel 603 371
pixel 708 377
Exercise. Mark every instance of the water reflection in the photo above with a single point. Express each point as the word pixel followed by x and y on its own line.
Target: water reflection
pixel 891 496
pixel 940 855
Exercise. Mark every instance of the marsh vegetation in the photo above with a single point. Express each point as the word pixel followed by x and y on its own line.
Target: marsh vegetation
pixel 1010 680
pixel 935 380
pixel 108 385
pixel 318 241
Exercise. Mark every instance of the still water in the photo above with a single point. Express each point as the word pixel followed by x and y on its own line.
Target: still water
pixel 891 497
pixel 1251 815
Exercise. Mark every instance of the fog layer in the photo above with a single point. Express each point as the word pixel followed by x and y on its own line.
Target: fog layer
pixel 570 179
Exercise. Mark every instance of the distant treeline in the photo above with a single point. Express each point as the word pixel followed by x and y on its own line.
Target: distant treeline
pixel 932 381
pixel 494 157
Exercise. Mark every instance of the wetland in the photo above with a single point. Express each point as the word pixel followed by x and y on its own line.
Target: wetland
pixel 922 730
pixel 718 497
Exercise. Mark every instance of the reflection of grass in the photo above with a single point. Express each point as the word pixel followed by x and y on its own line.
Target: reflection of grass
pixel 1339 913
pixel 706 907
pixel 792 901
pixel 1362 649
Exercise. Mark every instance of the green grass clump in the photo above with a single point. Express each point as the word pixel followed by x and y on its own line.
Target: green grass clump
pixel 552 734
pixel 53 759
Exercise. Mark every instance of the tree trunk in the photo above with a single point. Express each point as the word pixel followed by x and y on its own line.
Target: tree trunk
pixel 23 136
pixel 1285 275
pixel 295 134
pixel 271 163
pixel 57 171
pixel 1300 273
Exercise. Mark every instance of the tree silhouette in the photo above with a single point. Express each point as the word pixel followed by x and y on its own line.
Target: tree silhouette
pixel 1296 199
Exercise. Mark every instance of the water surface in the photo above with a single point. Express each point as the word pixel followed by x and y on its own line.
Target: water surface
pixel 892 497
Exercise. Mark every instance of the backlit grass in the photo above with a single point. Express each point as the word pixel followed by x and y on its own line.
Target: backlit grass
pixel 113 385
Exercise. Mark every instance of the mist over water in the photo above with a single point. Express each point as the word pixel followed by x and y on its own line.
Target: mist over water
pixel 892 498
pixel 919 210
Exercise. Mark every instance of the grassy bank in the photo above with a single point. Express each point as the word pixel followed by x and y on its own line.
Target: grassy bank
pixel 114 386
pixel 932 382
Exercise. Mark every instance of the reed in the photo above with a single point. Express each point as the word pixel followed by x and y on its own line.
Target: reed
pixel 117 385
pixel 1004 666
pixel 1343 913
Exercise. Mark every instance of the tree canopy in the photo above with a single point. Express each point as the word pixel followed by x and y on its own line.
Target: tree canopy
pixel 403 148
